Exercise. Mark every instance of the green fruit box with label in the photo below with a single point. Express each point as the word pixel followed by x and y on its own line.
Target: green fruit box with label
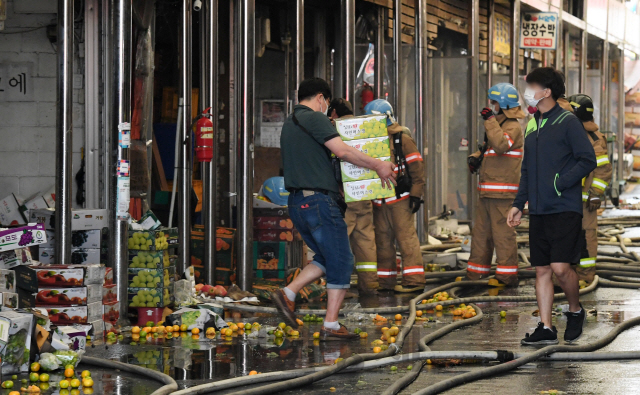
pixel 377 147
pixel 153 240
pixel 356 191
pixel 351 172
pixel 362 127
pixel 150 278
pixel 16 330
pixel 150 297
pixel 150 259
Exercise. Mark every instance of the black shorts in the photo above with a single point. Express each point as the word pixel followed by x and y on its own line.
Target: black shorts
pixel 557 238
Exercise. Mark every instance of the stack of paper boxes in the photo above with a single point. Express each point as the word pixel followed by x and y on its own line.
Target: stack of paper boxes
pixel 152 269
pixel 225 273
pixel 71 294
pixel 88 238
pixel 368 134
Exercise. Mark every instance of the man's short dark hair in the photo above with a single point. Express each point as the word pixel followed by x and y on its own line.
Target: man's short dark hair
pixel 550 78
pixel 342 107
pixel 311 87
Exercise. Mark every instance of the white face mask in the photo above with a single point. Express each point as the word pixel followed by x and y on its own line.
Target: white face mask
pixel 493 110
pixel 327 109
pixel 530 96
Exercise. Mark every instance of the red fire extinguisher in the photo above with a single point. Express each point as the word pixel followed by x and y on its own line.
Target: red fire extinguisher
pixel 204 137
pixel 367 95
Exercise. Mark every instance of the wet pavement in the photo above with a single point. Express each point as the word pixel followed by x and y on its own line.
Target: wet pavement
pixel 194 362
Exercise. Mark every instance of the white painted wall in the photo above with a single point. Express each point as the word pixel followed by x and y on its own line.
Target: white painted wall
pixel 28 128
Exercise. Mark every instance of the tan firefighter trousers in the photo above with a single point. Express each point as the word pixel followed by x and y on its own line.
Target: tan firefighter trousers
pixel 394 222
pixel 359 219
pixel 587 268
pixel 490 230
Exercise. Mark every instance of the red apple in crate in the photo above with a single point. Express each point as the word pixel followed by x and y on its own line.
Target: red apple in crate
pixel 206 288
pixel 199 287
pixel 220 291
pixel 212 292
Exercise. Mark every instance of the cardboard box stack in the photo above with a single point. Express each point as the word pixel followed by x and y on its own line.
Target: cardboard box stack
pixel 71 294
pixel 152 269
pixel 88 239
pixel 276 246
pixel 225 255
pixel 368 134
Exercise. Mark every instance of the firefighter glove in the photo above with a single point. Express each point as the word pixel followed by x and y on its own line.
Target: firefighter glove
pixel 414 203
pixel 594 202
pixel 486 113
pixel 474 164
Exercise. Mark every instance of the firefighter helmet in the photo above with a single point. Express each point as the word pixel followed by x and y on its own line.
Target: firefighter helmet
pixel 380 106
pixel 505 94
pixel 273 189
pixel 582 106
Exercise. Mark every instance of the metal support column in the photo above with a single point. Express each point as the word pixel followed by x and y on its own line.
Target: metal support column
pixel 210 99
pixel 397 56
pixel 620 131
pixel 422 107
pixel 583 60
pixel 558 52
pixel 567 48
pixel 474 50
pixel 64 132
pixel 245 55
pixel 184 178
pixel 299 45
pixel 92 131
pixel 491 23
pixel 349 26
pixel 379 56
pixel 514 69
pixel 604 87
pixel 119 153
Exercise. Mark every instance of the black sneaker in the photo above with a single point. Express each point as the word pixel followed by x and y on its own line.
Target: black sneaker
pixel 541 336
pixel 574 325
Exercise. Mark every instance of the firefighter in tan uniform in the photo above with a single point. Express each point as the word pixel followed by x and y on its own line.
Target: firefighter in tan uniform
pixel 593 186
pixel 498 162
pixel 393 218
pixel 359 219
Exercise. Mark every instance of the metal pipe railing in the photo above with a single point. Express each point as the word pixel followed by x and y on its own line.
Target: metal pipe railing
pixel 514 68
pixel 120 118
pixel 474 50
pixel 64 132
pixel 379 57
pixel 348 24
pixel 245 55
pixel 491 7
pixel 209 169
pixel 422 105
pixel 299 44
pixel 184 195
pixel 397 56
pixel 620 134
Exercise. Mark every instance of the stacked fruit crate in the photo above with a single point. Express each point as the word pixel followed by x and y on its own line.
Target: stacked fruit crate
pixel 368 134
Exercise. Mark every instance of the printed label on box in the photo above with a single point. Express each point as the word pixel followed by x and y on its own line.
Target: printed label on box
pixel 351 172
pixel 356 191
pixel 377 147
pixel 362 127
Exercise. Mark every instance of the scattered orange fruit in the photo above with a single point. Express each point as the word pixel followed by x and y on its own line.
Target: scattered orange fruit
pixel 424 301
pixel 377 350
pixel 240 325
pixel 135 329
pixel 234 327
pixel 69 373
pixel 419 313
pixel 316 335
pixel 210 331
pixel 195 331
pixel 253 373
pixel 392 340
pixel 363 335
pixel 183 327
pixel 300 322
pixel 398 317
pixel 384 328
pixel 439 307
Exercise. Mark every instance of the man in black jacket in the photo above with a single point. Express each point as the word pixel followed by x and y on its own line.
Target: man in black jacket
pixel 557 156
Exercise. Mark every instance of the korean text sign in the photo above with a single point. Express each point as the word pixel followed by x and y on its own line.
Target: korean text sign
pixel 538 30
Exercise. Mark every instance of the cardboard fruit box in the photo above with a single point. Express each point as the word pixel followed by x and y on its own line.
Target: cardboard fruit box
pixel 377 147
pixel 153 240
pixel 109 294
pixel 273 235
pixel 10 214
pixel 61 296
pixel 79 239
pixel 13 258
pixel 351 172
pixel 83 219
pixel 111 312
pixel 150 297
pixel 32 278
pixel 362 127
pixel 356 191
pixel 272 223
pixel 16 331
pixel 150 278
pixel 24 236
pixel 150 259
pixel 68 315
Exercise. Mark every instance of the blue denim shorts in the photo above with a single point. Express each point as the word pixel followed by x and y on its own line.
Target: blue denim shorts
pixel 321 225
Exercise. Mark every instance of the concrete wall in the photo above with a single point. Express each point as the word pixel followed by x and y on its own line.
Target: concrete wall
pixel 28 127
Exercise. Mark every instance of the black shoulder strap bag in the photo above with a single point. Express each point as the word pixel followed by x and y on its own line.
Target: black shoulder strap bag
pixel 403 180
pixel 335 162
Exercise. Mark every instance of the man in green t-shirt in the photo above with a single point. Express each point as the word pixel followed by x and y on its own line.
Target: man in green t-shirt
pixel 308 139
